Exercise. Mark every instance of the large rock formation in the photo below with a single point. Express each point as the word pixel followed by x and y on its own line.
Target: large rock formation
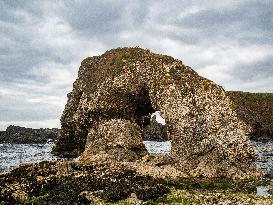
pixel 22 135
pixel 115 91
pixel 256 110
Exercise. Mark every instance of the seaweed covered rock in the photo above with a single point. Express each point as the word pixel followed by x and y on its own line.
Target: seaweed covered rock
pixel 68 182
pixel 256 110
pixel 74 183
pixel 125 85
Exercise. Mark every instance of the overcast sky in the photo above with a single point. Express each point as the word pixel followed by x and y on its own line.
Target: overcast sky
pixel 43 43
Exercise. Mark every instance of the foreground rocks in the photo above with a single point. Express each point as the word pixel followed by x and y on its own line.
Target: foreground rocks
pixel 114 92
pixel 256 110
pixel 69 183
pixel 213 197
pixel 22 135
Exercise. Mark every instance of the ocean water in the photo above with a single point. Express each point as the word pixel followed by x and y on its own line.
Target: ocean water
pixel 264 153
pixel 11 155
pixel 158 147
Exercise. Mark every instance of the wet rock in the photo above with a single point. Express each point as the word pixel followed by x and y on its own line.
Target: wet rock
pixel 211 198
pixel 22 135
pixel 270 191
pixel 63 182
pixel 127 84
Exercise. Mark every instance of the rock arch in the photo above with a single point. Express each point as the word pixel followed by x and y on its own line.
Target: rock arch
pixel 121 86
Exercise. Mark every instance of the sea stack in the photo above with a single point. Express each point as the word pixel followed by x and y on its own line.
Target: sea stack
pixel 114 92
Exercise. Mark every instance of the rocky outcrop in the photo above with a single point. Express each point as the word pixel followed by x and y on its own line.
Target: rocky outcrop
pixel 22 135
pixel 256 110
pixel 116 90
pixel 68 182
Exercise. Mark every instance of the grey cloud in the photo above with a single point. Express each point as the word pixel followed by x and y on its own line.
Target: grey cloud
pixel 255 71
pixel 29 107
pixel 33 6
pixel 248 20
pixel 43 42
pixel 103 18
pixel 95 17
pixel 29 114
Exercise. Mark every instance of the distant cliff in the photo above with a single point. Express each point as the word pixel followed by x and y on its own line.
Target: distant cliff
pixel 22 135
pixel 256 110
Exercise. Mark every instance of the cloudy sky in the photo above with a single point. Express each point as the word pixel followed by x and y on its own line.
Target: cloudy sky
pixel 43 42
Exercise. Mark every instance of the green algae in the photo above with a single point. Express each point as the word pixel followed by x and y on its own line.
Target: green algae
pixel 35 200
pixel 197 197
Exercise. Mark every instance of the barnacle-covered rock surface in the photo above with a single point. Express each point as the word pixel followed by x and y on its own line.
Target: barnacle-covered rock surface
pixel 114 92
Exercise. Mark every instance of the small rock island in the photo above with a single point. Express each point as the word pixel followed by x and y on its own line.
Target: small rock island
pixel 111 111
pixel 23 135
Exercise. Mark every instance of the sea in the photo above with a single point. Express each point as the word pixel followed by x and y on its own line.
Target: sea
pixel 11 155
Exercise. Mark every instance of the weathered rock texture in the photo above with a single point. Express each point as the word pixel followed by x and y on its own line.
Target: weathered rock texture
pixel 124 85
pixel 22 135
pixel 114 139
pixel 256 110
pixel 68 182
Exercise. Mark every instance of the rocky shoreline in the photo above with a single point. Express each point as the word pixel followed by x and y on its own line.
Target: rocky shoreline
pixel 64 182
pixel 22 135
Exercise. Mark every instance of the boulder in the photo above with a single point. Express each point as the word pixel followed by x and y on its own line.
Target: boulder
pixel 114 139
pixel 116 90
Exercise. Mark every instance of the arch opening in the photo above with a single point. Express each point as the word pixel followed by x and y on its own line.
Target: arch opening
pixel 153 125
pixel 154 135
